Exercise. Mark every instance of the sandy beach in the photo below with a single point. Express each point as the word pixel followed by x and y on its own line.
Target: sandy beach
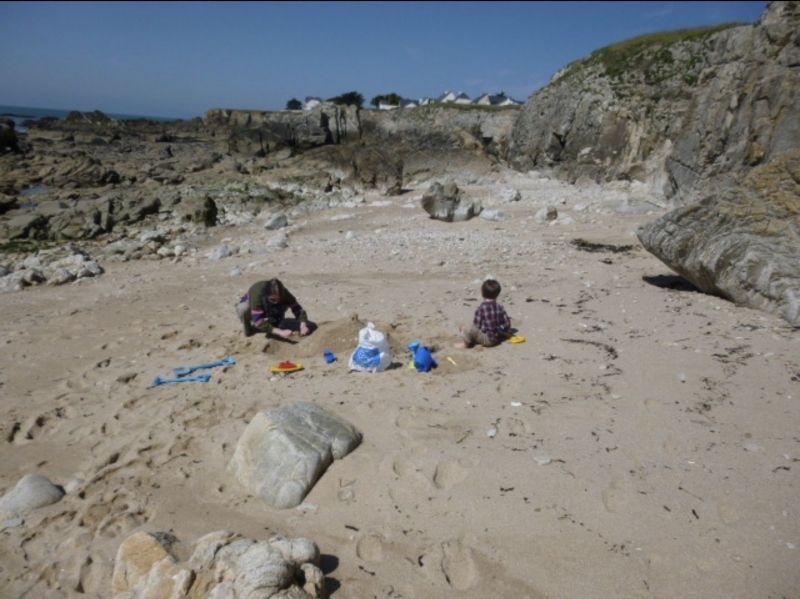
pixel 643 442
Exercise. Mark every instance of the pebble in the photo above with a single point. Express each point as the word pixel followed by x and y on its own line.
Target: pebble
pixel 542 460
pixel 491 433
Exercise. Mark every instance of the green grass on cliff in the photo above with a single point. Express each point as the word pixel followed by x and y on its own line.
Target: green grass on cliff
pixel 642 52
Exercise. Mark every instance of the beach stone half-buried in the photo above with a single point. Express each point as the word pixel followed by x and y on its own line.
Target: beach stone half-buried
pixel 31 492
pixel 223 564
pixel 283 452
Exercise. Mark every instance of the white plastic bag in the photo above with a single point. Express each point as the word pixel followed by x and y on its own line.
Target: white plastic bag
pixel 373 353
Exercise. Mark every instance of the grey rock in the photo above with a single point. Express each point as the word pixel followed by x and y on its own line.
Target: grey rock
pixel 279 241
pixel 277 221
pixel 222 252
pixel 283 452
pixel 33 276
pixel 27 226
pixel 223 564
pixel 445 202
pixel 12 282
pixel 31 492
pixel 493 214
pixel 741 243
pixel 61 276
pixel 510 195
pixel 546 215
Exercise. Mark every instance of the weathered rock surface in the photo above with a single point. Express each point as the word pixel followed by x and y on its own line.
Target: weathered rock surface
pixel 283 452
pixel 743 243
pixel 223 564
pixel 679 112
pixel 445 202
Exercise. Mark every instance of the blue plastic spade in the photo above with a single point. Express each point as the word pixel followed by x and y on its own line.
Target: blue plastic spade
pixel 184 370
pixel 199 378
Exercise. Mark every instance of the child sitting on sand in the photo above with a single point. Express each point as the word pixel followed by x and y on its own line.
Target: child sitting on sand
pixel 263 308
pixel 491 324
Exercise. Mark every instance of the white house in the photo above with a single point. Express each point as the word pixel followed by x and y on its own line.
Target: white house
pixel 447 96
pixel 406 103
pixel 496 100
pixel 462 98
pixel 504 100
pixel 311 102
pixel 425 101
pixel 383 105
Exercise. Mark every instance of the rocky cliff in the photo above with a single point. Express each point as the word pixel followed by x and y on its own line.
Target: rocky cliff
pixel 367 148
pixel 684 111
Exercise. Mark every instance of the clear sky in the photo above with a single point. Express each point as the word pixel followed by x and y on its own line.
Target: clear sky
pixel 178 59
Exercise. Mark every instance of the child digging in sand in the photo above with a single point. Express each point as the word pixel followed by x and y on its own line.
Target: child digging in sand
pixel 491 324
pixel 263 308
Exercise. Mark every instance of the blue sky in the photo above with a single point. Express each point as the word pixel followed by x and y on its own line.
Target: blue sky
pixel 178 59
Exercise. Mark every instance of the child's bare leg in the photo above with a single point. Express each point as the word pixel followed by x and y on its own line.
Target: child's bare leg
pixel 466 341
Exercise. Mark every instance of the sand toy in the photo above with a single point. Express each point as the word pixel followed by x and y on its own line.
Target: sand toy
pixel 286 366
pixel 184 370
pixel 198 378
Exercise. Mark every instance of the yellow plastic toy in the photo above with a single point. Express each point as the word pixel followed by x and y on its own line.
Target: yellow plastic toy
pixel 517 339
pixel 286 367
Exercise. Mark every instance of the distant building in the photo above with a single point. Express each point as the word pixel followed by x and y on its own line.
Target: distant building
pixel 504 100
pixel 383 105
pixel 462 98
pixel 406 103
pixel 447 96
pixel 425 101
pixel 496 100
pixel 311 102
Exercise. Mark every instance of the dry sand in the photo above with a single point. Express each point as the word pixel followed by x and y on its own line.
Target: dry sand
pixel 646 444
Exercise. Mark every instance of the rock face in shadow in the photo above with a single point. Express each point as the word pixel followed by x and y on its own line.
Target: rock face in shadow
pixel 682 111
pixel 743 243
pixel 283 452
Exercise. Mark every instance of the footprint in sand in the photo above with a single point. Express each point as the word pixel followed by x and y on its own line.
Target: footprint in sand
pixel 454 560
pixel 514 427
pixel 616 496
pixel 458 565
pixel 33 427
pixel 370 547
pixel 448 474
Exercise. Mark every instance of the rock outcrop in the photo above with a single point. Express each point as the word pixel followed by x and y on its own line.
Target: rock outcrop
pixel 742 244
pixel 683 111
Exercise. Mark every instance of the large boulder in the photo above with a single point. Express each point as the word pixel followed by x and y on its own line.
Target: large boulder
pixel 445 202
pixel 742 243
pixel 283 452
